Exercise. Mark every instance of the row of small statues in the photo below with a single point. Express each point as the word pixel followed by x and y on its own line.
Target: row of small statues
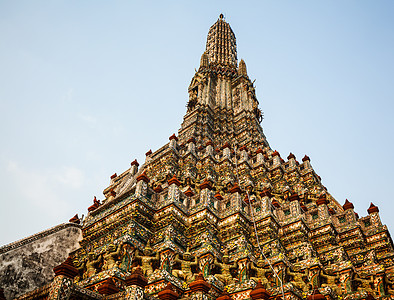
pixel 126 257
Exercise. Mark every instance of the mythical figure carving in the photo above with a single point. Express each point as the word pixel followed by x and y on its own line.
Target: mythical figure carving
pixel 185 273
pixel 363 284
pixel 260 272
pixel 111 256
pixel 92 264
pixel 331 281
pixel 225 267
pixel 147 259
pixel 297 279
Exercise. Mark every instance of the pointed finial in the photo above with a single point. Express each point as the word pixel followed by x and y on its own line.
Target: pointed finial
pixel 204 62
pixel 242 68
pixel 221 16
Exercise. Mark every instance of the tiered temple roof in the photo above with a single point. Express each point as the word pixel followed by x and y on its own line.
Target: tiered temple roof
pixel 217 213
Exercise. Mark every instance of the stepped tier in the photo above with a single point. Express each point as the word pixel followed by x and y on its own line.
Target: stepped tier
pixel 216 213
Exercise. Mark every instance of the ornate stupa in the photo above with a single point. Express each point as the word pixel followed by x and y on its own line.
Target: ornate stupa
pixel 216 213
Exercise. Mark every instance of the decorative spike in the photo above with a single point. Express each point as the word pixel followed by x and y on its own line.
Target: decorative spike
pixel 291 155
pixel 173 137
pixel 174 180
pixel 204 62
pixel 143 177
pixel 372 209
pixel 134 163
pixel 242 68
pixel 348 205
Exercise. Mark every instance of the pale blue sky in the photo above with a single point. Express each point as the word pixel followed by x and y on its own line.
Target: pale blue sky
pixel 87 86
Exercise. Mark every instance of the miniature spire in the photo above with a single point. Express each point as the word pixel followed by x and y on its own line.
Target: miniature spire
pixel 221 44
pixel 372 209
pixel 242 68
pixel 348 205
pixel 204 62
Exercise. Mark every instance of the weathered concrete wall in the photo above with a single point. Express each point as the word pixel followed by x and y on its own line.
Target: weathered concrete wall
pixel 28 264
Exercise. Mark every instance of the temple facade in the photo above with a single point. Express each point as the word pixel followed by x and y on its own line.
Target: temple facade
pixel 216 213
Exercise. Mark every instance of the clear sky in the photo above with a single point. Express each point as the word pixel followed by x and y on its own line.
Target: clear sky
pixel 88 86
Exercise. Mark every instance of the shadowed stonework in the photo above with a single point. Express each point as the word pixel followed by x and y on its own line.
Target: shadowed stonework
pixel 28 263
pixel 216 213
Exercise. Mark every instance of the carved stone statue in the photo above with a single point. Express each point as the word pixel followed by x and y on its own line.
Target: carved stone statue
pixel 363 284
pixel 185 273
pixel 331 281
pixel 146 259
pixel 225 267
pixel 81 266
pixel 92 264
pixel 111 256
pixel 260 272
pixel 297 279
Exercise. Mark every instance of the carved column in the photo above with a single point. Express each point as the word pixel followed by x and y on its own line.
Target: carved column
pixel 244 154
pixel 266 206
pixel 63 282
pixel 209 148
pixel 173 189
pixel 260 156
pixel 206 196
pixel 295 208
pixel 142 185
pixel 134 167
pixel 349 210
pixel 322 207
pixel 236 196
pixel 199 288
pixel 275 158
pixel 292 160
pixel 191 146
pixel 373 212
pixel 226 151
pixel 173 141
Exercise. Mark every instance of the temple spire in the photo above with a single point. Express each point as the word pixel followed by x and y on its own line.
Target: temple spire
pixel 221 45
pixel 242 68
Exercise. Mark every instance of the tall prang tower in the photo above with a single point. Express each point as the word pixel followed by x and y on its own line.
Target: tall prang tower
pixel 217 214
pixel 222 106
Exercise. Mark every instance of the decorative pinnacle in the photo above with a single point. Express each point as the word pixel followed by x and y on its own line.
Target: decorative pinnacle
pixel 221 45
